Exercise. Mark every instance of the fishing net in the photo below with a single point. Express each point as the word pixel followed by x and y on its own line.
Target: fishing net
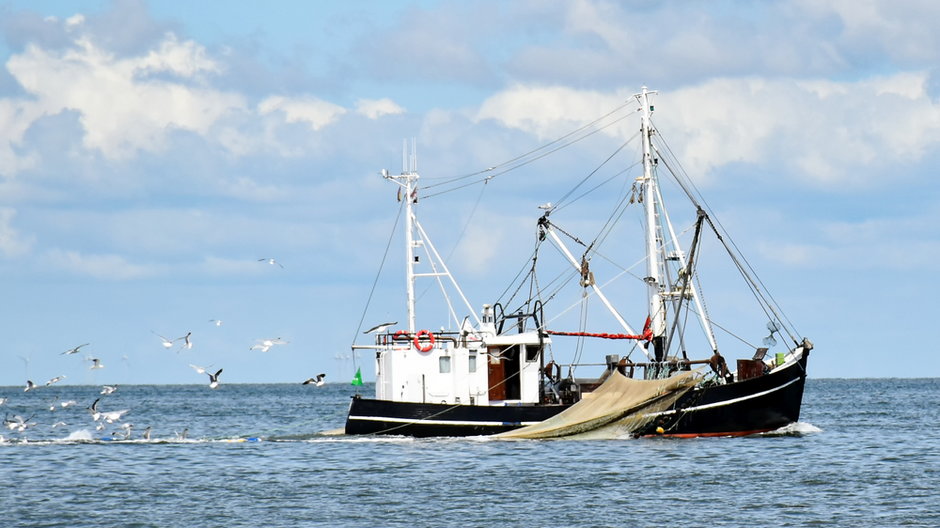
pixel 618 407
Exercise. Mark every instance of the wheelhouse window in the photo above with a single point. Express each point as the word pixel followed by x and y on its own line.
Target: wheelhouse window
pixel 532 353
pixel 444 364
pixel 472 362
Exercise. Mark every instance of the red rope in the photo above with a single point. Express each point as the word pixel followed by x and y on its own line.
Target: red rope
pixel 646 335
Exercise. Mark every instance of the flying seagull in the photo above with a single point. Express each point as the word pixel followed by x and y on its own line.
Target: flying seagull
pixel 378 329
pixel 318 380
pixel 109 416
pixel 265 344
pixel 108 389
pixel 29 386
pixel 55 380
pixel 216 322
pixel 95 363
pixel 198 369
pixel 271 261
pixel 74 350
pixel 167 343
pixel 187 343
pixel 214 379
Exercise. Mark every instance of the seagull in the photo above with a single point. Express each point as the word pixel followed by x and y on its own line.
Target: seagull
pixel 3 400
pixel 214 379
pixel 74 350
pixel 93 409
pixel 29 386
pixel 127 431
pixel 55 380
pixel 187 344
pixel 198 369
pixel 147 433
pixel 318 381
pixel 108 389
pixel 58 424
pixel 109 416
pixel 265 344
pixel 380 328
pixel 271 261
pixel 95 363
pixel 216 322
pixel 67 403
pixel 113 416
pixel 167 343
pixel 183 435
pixel 52 404
pixel 18 423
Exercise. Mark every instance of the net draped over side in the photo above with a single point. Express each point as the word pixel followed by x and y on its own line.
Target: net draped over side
pixel 620 405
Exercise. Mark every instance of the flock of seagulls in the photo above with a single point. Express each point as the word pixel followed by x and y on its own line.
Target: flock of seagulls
pixel 20 423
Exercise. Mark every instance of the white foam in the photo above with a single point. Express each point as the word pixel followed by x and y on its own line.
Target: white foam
pixel 82 435
pixel 795 428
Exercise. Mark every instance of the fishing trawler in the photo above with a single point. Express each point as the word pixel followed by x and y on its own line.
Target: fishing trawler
pixel 501 369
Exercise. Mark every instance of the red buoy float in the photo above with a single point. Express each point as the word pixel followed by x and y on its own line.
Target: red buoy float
pixel 426 347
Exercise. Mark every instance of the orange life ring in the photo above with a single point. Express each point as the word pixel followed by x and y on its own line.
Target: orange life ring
pixel 429 345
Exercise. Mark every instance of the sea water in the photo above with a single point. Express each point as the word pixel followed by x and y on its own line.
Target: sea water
pixel 865 453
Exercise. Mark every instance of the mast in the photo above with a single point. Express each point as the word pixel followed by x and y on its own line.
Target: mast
pixel 657 308
pixel 416 237
pixel 409 174
pixel 408 181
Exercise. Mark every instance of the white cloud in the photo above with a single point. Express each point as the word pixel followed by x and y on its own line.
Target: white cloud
pixel 546 111
pixel 376 108
pixel 818 131
pixel 315 112
pixel 124 105
pixel 74 21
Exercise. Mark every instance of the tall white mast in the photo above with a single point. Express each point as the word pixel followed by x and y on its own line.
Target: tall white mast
pixel 657 311
pixel 409 176
pixel 408 180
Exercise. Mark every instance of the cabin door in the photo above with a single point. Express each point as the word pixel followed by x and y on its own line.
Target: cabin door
pixel 503 371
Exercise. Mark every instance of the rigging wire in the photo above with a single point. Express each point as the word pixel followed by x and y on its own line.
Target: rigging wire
pixel 459 237
pixel 771 308
pixel 561 200
pixel 513 167
pixel 378 274
pixel 537 149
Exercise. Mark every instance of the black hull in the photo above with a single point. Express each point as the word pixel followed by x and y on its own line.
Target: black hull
pixel 756 405
pixel 746 407
pixel 374 417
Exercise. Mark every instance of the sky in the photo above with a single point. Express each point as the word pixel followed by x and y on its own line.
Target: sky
pixel 152 152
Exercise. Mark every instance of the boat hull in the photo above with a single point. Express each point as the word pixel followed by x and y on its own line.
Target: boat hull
pixel 383 417
pixel 746 407
pixel 756 405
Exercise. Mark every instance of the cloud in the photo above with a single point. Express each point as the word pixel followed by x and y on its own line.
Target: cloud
pixel 833 134
pixel 546 111
pixel 316 113
pixel 126 105
pixel 376 108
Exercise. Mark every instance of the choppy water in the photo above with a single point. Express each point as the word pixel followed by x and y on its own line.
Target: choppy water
pixel 864 454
